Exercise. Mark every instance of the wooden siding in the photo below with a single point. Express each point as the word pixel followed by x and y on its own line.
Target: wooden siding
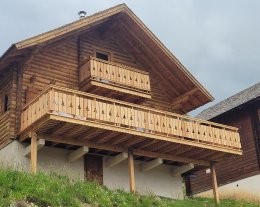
pixel 89 43
pixel 54 64
pixel 4 129
pixel 239 167
pixel 58 63
pixel 7 118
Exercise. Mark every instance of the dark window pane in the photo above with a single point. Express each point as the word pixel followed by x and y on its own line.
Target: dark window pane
pixel 102 56
pixel 6 103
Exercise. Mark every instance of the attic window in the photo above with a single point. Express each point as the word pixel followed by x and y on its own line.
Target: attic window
pixel 103 56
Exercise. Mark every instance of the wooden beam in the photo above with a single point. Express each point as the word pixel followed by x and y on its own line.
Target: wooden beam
pixel 104 136
pixel 71 132
pixel 132 141
pixel 120 138
pixel 86 135
pixel 151 164
pixel 75 155
pixel 170 147
pixel 180 170
pixel 103 127
pixel 144 153
pixel 112 161
pixel 25 134
pixel 131 171
pixel 40 144
pixel 170 157
pixel 78 142
pixel 58 34
pixel 152 142
pixel 33 137
pixel 214 183
pixel 181 151
pixel 184 96
pixel 57 127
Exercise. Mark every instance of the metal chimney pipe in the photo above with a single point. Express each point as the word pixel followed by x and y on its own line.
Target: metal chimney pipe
pixel 82 14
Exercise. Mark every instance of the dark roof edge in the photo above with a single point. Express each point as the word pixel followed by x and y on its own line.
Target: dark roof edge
pixel 243 97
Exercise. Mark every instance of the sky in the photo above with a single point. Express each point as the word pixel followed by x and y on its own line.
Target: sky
pixel 218 41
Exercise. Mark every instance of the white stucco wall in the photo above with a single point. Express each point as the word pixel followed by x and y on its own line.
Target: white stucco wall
pixel 157 181
pixel 49 160
pixel 245 189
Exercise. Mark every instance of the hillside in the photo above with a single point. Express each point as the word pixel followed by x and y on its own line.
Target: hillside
pixel 23 189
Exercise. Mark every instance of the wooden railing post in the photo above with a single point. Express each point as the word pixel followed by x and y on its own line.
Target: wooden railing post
pixel 131 171
pixel 214 183
pixel 140 118
pixel 51 100
pixel 33 137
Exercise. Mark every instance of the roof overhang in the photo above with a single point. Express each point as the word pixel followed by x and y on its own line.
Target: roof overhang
pixel 191 88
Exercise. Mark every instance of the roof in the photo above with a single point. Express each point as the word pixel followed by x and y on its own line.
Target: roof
pixel 232 102
pixel 190 88
pixel 60 31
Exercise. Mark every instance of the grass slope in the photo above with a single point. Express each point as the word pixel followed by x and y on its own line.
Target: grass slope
pixel 52 190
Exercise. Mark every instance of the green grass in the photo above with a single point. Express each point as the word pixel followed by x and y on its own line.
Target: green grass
pixel 52 190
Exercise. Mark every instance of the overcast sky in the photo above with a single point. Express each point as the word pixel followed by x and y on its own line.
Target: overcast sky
pixel 217 40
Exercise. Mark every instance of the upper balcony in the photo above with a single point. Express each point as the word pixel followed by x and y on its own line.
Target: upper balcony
pixel 103 76
pixel 68 116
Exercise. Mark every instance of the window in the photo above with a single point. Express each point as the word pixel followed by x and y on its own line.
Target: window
pixel 6 103
pixel 103 56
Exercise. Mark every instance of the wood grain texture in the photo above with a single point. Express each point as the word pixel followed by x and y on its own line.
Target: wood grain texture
pixel 56 58
pixel 33 137
pixel 104 113
pixel 7 118
pixel 131 169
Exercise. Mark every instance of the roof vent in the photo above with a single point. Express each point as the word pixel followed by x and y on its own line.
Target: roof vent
pixel 82 14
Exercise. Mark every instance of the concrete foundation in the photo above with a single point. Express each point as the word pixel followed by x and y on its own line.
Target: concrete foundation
pixel 157 181
pixel 49 160
pixel 245 189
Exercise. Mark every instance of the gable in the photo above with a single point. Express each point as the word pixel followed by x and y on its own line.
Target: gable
pixel 181 88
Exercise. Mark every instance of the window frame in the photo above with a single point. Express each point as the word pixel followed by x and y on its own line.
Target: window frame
pixel 4 103
pixel 105 52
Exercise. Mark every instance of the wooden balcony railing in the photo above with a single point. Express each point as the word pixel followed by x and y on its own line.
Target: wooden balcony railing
pixel 116 75
pixel 132 118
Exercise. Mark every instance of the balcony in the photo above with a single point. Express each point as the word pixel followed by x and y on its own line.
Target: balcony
pixel 99 76
pixel 71 117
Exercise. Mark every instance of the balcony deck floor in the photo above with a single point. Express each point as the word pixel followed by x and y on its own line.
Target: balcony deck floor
pixel 62 131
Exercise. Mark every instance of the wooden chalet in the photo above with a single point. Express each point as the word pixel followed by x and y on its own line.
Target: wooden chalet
pixel 239 176
pixel 105 85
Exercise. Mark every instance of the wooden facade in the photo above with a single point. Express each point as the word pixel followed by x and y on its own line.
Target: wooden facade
pixel 8 86
pixel 246 119
pixel 106 82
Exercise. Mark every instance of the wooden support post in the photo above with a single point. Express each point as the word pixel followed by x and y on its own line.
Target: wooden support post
pixel 214 183
pixel 33 152
pixel 131 171
pixel 40 144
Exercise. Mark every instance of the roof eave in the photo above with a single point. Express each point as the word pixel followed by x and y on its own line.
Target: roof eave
pixel 169 54
pixel 95 17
